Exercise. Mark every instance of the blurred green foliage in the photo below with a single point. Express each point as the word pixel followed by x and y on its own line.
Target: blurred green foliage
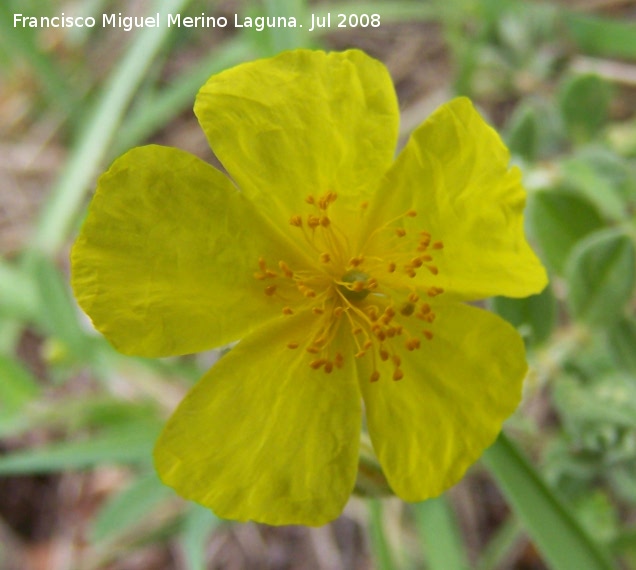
pixel 548 76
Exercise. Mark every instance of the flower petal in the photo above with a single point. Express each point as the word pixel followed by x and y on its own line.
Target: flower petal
pixel 164 263
pixel 264 437
pixel 454 173
pixel 457 390
pixel 304 122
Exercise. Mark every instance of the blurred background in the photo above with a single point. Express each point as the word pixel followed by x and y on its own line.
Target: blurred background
pixel 78 420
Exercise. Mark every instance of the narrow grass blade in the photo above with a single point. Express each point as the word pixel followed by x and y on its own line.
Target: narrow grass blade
pixel 99 132
pixel 197 528
pixel 562 541
pixel 19 43
pixel 17 385
pixel 501 545
pixel 382 554
pixel 440 535
pixel 125 509
pixel 132 445
pixel 159 109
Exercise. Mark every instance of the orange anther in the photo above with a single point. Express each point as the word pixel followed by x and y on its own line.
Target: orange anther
pixel 357 286
pixel 296 220
pixel 438 245
pixel 391 268
pixel 398 374
pixel 325 221
pixel 373 313
pixel 288 311
pixel 427 334
pixel 434 291
pixel 328 367
pixel 325 257
pixel 411 213
pixel 270 290
pixel 315 364
pixel 313 221
pixel 375 376
pixel 413 297
pixel 285 269
pixel 292 345
pixel 433 269
pixel 400 232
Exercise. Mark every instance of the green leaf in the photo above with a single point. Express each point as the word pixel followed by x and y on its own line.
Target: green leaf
pixel 126 444
pixel 558 220
pixel 559 537
pixel 501 545
pixel 440 535
pixel 99 132
pixel 125 509
pixel 534 316
pixel 18 294
pixel 17 385
pixel 602 177
pixel 22 43
pixel 59 314
pixel 150 115
pixel 199 524
pixel 602 36
pixel 523 133
pixel 621 344
pixel 601 274
pixel 382 552
pixel 609 399
pixel 584 102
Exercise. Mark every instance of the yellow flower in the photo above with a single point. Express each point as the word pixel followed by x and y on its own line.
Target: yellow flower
pixel 343 270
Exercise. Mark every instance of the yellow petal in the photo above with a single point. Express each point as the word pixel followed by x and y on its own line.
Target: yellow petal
pixel 165 260
pixel 457 390
pixel 264 437
pixel 304 122
pixel 454 173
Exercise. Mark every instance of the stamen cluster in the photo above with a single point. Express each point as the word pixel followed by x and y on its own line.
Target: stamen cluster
pixel 362 289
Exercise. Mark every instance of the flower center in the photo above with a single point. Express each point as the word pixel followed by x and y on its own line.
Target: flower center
pixel 357 290
pixel 376 293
